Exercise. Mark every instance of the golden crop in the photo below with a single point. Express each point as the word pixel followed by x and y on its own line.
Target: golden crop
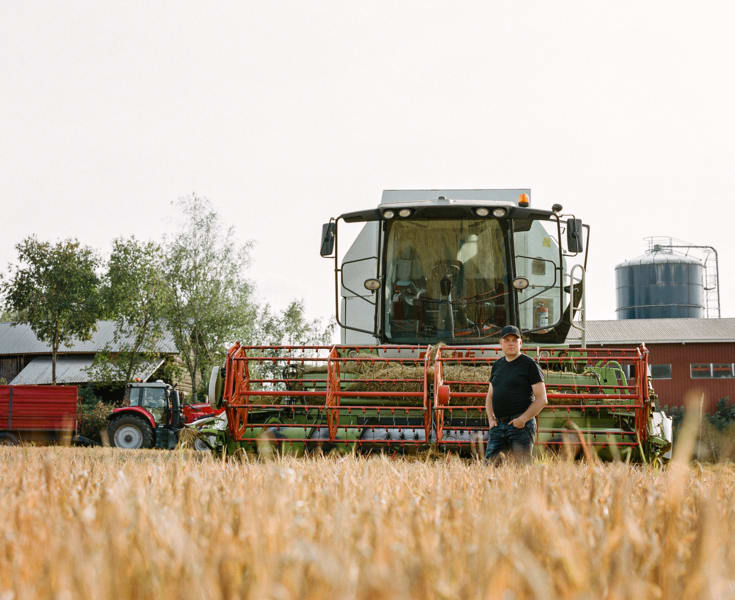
pixel 103 523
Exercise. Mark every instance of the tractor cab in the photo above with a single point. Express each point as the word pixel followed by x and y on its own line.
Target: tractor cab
pixel 158 399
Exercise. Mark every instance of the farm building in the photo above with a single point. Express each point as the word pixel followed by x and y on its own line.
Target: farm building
pixel 24 359
pixel 688 357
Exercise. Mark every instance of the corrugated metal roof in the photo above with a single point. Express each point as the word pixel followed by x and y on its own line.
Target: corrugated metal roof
pixel 69 369
pixel 20 339
pixel 658 331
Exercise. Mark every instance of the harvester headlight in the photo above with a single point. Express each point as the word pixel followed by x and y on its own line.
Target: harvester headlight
pixel 372 284
pixel 405 212
pixel 520 283
pixel 388 214
pixel 482 212
pixel 499 212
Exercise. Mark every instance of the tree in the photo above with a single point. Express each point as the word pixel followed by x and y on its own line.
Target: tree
pixel 9 316
pixel 54 289
pixel 135 295
pixel 288 328
pixel 208 302
pixel 291 328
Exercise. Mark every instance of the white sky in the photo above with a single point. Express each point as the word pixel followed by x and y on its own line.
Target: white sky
pixel 286 113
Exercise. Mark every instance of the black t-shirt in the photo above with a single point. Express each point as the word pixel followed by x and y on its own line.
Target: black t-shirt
pixel 512 381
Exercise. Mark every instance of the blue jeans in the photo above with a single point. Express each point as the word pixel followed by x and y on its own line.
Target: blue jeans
pixel 505 436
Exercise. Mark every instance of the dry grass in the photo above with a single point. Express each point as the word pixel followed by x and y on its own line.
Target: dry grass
pixel 102 523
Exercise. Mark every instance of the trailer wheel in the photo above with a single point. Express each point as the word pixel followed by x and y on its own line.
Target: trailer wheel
pixel 8 439
pixel 130 431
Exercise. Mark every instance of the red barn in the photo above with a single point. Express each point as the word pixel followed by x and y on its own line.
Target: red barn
pixel 689 358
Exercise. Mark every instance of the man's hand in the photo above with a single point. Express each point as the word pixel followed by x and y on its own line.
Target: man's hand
pixel 489 407
pixel 518 422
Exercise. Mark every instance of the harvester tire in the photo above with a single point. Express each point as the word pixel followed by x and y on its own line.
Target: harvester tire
pixel 8 439
pixel 201 445
pixel 266 445
pixel 130 431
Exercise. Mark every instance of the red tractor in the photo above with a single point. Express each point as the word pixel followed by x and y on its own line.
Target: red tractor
pixel 152 417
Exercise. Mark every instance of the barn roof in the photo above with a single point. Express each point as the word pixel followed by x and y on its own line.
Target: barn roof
pixel 659 331
pixel 70 369
pixel 20 339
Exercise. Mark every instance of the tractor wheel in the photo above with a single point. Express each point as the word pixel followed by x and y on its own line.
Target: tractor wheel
pixel 130 431
pixel 8 439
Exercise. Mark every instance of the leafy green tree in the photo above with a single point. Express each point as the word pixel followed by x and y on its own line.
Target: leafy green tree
pixel 135 296
pixel 287 328
pixel 9 316
pixel 291 328
pixel 209 302
pixel 54 288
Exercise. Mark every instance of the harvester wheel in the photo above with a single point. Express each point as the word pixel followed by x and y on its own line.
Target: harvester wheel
pixel 201 445
pixel 266 445
pixel 8 439
pixel 130 431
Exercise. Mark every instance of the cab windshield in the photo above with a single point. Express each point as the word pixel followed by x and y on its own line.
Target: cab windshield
pixel 152 399
pixel 445 280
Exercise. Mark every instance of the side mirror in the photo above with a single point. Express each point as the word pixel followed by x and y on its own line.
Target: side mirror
pixel 575 235
pixel 328 230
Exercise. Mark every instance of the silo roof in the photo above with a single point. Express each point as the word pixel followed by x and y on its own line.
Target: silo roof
pixel 659 257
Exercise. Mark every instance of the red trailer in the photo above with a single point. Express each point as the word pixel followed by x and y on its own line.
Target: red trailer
pixel 37 413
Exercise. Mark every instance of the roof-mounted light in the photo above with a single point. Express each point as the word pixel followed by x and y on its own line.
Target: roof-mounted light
pixel 499 212
pixel 482 211
pixel 388 214
pixel 524 200
pixel 405 212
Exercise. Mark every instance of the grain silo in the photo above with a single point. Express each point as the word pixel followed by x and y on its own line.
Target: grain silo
pixel 662 283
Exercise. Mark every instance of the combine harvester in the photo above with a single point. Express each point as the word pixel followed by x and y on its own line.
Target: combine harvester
pixel 421 295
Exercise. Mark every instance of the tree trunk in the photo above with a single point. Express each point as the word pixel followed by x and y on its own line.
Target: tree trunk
pixel 194 383
pixel 54 352
pixel 132 360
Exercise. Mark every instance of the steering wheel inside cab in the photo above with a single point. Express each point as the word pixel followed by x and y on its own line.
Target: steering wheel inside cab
pixel 447 273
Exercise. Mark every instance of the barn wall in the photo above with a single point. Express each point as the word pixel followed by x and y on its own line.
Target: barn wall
pixel 10 366
pixel 681 388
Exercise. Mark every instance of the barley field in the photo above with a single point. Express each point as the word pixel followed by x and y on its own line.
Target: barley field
pixel 104 523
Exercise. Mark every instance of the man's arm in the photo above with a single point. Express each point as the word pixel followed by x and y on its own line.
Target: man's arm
pixel 539 401
pixel 489 407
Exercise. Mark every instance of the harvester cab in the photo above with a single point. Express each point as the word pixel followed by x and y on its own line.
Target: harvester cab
pixel 421 295
pixel 455 266
pixel 151 416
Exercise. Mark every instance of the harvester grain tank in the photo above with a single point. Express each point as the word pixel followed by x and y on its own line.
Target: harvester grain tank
pixel 420 297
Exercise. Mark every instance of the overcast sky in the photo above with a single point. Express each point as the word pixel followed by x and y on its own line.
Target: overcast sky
pixel 286 113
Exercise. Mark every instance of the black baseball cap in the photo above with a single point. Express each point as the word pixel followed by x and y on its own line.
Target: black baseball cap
pixel 509 330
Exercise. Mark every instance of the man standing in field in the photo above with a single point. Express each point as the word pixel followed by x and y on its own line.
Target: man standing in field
pixel 515 396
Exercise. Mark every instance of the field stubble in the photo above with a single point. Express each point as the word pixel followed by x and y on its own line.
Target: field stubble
pixel 102 523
